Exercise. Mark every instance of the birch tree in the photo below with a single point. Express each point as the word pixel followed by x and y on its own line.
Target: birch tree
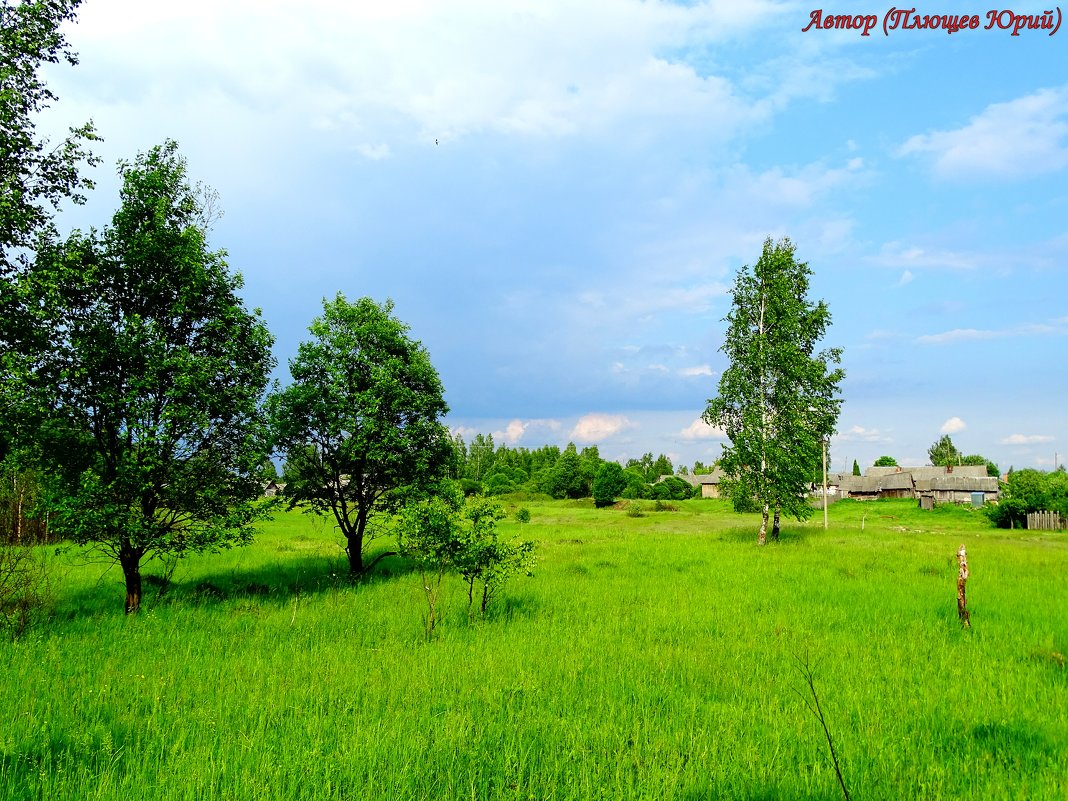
pixel 779 398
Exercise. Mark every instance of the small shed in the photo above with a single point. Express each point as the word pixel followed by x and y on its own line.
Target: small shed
pixel 709 483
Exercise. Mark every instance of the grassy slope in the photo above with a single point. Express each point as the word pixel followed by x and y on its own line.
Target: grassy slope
pixel 652 657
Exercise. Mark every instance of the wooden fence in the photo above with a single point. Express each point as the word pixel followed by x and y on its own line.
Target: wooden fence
pixel 1045 520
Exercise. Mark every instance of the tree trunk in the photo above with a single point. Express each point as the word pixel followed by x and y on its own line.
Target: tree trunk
pixel 962 580
pixel 354 549
pixel 353 538
pixel 763 536
pixel 130 561
pixel 775 526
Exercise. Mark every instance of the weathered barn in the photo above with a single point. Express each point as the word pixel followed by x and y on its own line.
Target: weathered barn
pixel 961 484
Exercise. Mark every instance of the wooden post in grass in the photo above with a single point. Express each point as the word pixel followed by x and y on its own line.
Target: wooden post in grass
pixel 962 579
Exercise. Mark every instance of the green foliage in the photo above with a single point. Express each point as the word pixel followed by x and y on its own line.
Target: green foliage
pixel 429 534
pixel 567 479
pixel 671 488
pixel 499 483
pixel 360 424
pixel 486 560
pixel 471 487
pixel 147 375
pixel 977 460
pixel 636 484
pixel 609 482
pixel 943 452
pixel 649 468
pixel 445 532
pixel 638 643
pixel 1029 491
pixel 886 461
pixel 522 515
pixel 35 175
pixel 778 399
pixel 22 520
pixel 856 468
pixel 480 457
pixel 25 589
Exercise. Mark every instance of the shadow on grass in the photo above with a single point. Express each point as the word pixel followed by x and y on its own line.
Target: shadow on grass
pixel 748 535
pixel 508 608
pixel 280 580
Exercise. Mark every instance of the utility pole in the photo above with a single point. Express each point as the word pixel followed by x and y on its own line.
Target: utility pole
pixel 824 483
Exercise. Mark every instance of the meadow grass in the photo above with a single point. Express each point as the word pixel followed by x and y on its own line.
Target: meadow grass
pixel 652 657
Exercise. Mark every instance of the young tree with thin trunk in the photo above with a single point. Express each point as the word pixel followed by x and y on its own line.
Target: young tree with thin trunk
pixel 147 374
pixel 778 398
pixel 360 424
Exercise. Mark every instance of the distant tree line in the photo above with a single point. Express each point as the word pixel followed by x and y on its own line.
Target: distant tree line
pixel 482 466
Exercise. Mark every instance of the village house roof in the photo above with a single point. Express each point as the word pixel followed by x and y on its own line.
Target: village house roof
pixel 699 479
pixel 878 480
pixel 958 484
pixel 972 470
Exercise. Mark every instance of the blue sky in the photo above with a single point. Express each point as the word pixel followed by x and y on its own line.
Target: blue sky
pixel 557 196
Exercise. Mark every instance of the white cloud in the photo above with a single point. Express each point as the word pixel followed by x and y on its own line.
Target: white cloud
pixel 699 429
pixel 861 434
pixel 1014 140
pixel 896 254
pixel 374 152
pixel 957 335
pixel 953 425
pixel 1026 439
pixel 699 370
pixel 596 427
pixel 1053 328
pixel 906 278
pixel 442 70
pixel 516 429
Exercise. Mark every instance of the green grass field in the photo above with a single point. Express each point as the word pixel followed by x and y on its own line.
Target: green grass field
pixel 652 657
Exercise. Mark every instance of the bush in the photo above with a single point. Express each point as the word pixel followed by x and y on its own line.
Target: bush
pixel 25 595
pixel 498 484
pixel 470 487
pixel 671 488
pixel 608 484
pixel 522 514
pixel 634 510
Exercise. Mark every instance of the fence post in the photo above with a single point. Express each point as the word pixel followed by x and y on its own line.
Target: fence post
pixel 962 580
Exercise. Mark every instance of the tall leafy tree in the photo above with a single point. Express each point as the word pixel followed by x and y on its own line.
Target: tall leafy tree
pixel 608 484
pixel 35 175
pixel 566 479
pixel 148 376
pixel 779 397
pixel 943 452
pixel 360 424
pixel 480 457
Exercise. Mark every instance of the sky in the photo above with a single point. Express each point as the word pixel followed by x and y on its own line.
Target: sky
pixel 558 195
